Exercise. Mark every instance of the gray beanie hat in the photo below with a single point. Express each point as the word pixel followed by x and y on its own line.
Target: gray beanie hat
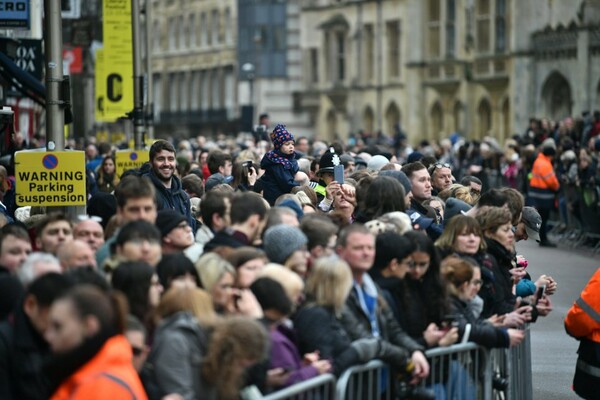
pixel 280 241
pixel 376 162
pixel 400 177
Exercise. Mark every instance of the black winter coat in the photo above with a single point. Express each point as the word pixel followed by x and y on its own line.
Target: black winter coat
pixel 499 263
pixel 390 330
pixel 481 332
pixel 22 354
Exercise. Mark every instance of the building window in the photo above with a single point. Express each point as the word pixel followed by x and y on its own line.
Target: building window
pixel 172 35
pixel 156 36
pixel 450 28
pixel 228 27
pixel 214 34
pixel 194 93
pixel 157 96
pixel 433 28
pixel 340 41
pixel 393 53
pixel 500 26
pixel 216 90
pixel 173 98
pixel 314 65
pixel 183 37
pixel 193 34
pixel 369 56
pixel 205 91
pixel 483 26
pixel 203 30
pixel 183 92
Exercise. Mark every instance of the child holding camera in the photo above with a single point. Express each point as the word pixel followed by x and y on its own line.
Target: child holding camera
pixel 280 165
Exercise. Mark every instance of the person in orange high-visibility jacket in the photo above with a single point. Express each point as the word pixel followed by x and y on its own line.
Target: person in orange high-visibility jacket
pixel 543 186
pixel 583 323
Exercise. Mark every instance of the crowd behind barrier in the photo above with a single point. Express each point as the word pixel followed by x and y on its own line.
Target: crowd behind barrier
pixel 458 372
pixel 225 292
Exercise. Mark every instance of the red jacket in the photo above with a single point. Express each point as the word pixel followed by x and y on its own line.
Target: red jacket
pixel 108 375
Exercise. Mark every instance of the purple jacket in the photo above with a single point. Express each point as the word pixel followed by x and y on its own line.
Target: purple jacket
pixel 284 354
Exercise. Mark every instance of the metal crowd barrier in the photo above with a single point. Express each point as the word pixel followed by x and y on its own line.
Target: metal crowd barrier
pixel 321 387
pixel 458 372
pixel 511 371
pixel 365 382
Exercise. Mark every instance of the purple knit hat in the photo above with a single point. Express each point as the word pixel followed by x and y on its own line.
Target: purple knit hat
pixel 280 135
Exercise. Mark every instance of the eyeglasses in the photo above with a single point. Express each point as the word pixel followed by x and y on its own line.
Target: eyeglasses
pixel 182 225
pixel 441 165
pixel 477 282
pixel 85 217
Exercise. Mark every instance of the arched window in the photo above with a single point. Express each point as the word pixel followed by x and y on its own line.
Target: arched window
pixel 392 119
pixel 556 97
pixel 484 116
pixel 369 120
pixel 437 121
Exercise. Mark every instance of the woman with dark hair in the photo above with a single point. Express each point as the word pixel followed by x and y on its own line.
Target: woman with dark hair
pixel 140 285
pixel 176 269
pixel 107 177
pixel 428 300
pixel 385 195
pixel 244 176
pixel 91 359
pixel 277 306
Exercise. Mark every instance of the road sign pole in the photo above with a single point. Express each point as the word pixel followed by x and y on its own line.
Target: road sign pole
pixel 55 119
pixel 138 78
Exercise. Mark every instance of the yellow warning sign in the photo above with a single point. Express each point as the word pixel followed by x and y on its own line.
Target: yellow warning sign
pixel 50 178
pixel 130 159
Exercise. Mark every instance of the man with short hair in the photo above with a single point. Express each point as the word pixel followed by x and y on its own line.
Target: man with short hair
pixel 76 254
pixel 23 348
pixel 215 209
pixel 91 232
pixel 248 212
pixel 136 200
pixel 356 246
pixel 169 192
pixel 321 233
pixel 302 145
pixel 474 183
pixel 14 249
pixel 420 181
pixel 441 177
pixel 219 162
pixel 52 231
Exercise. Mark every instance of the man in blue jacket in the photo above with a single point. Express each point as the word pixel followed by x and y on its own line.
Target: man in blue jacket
pixel 169 192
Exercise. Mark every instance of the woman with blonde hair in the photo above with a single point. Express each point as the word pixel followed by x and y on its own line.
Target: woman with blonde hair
pixel 217 277
pixel 318 323
pixel 180 343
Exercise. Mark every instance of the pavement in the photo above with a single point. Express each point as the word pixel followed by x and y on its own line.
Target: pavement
pixel 554 353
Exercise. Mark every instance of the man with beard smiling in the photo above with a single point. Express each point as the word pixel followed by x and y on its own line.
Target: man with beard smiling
pixel 169 192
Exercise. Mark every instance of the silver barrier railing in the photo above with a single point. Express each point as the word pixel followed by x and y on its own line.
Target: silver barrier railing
pixel 369 381
pixel 511 371
pixel 459 372
pixel 322 387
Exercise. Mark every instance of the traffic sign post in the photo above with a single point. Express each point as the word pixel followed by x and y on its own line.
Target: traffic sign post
pixel 130 159
pixel 50 178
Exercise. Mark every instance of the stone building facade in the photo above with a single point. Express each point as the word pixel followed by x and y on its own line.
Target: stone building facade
pixel 434 67
pixel 194 66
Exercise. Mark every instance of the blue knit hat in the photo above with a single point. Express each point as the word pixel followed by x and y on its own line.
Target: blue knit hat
pixel 280 135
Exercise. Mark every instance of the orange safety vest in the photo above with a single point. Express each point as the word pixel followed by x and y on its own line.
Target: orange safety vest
pixel 583 319
pixel 542 174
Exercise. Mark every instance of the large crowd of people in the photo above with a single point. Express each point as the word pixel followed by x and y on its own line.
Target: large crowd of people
pixel 226 266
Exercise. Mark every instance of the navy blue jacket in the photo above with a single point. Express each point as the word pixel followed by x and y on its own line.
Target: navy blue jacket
pixel 278 179
pixel 174 198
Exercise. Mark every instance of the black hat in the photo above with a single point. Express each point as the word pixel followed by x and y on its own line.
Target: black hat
pixel 167 220
pixel 328 161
